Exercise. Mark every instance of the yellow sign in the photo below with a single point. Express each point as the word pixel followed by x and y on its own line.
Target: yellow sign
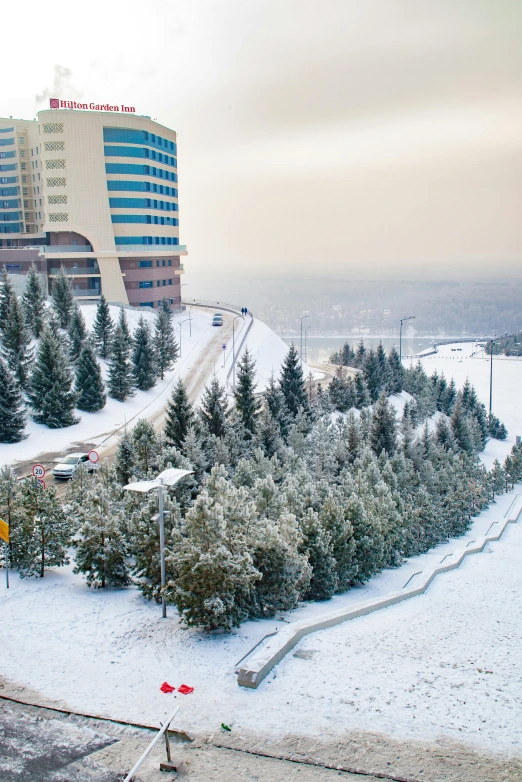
pixel 4 531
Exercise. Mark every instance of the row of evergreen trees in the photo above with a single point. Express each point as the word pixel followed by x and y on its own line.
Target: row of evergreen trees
pixel 378 373
pixel 60 371
pixel 285 503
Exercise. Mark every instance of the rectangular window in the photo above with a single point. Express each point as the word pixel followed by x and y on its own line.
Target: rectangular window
pixel 146 304
pixel 157 263
pixel 164 282
pixel 163 262
pixel 169 262
pixel 22 153
pixel 23 166
pixel 170 282
pixel 158 283
pixel 146 284
pixel 144 264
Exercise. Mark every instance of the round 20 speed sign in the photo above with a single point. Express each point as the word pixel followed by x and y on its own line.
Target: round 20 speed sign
pixel 38 471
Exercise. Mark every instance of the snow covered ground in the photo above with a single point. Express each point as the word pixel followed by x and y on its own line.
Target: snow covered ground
pixel 442 664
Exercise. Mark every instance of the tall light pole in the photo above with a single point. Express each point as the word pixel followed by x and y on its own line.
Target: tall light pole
pixel 190 321
pixel 491 343
pixel 301 346
pixel 180 296
pixel 410 317
pixel 168 477
pixel 180 325
pixel 234 351
pixel 305 348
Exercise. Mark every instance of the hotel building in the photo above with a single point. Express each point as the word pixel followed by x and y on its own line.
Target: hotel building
pixel 97 193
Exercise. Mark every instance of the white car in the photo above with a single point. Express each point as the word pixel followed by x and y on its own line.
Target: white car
pixel 66 467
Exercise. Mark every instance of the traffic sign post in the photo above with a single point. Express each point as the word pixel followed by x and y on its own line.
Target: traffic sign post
pixel 224 353
pixel 38 470
pixel 94 457
pixel 41 483
pixel 4 535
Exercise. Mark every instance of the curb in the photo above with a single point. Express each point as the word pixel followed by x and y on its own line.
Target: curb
pixel 263 657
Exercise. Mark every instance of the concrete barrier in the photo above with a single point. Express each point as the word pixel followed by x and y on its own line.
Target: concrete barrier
pixel 263 657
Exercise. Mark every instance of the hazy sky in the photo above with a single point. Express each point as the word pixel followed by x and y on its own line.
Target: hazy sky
pixel 366 137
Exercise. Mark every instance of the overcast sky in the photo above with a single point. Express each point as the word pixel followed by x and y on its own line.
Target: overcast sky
pixel 363 137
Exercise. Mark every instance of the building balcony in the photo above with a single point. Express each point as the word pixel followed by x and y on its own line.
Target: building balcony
pixel 151 249
pixel 86 293
pixel 77 271
pixel 66 249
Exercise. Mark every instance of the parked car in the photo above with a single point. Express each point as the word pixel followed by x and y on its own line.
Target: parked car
pixel 67 465
pixel 218 319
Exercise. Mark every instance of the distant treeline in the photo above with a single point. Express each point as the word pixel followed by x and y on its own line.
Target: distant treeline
pixel 507 346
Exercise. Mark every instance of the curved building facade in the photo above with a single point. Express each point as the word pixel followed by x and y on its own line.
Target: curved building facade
pixel 96 193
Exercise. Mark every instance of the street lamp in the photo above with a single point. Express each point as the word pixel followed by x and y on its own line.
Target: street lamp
pixel 410 317
pixel 180 325
pixel 168 477
pixel 301 350
pixel 491 343
pixel 190 319
pixel 234 351
pixel 305 348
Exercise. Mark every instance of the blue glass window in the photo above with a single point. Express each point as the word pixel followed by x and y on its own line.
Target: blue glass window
pixel 144 264
pixel 146 284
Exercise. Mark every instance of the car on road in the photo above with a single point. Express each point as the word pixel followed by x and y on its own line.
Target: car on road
pixel 68 465
pixel 218 319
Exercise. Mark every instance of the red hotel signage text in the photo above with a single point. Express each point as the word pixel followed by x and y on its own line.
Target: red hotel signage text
pixel 56 103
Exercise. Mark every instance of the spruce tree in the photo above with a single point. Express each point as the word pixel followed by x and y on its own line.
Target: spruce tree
pixel 179 417
pixel 103 328
pixel 16 344
pixel 101 550
pixel 165 345
pixel 10 513
pixel 277 406
pixel 372 375
pixel 340 530
pixel 125 460
pixel 12 415
pixel 383 428
pixel 247 404
pixel 146 446
pixel 396 373
pixel 120 384
pixel 213 410
pixel 143 360
pixel 44 532
pixel 77 333
pixel 461 428
pixel 123 326
pixel 34 302
pixel 291 383
pixel 362 397
pixel 7 294
pixel 51 393
pixel 62 298
pixel 360 355
pixel 89 384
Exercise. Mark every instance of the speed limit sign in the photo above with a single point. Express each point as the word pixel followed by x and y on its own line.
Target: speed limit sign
pixel 38 471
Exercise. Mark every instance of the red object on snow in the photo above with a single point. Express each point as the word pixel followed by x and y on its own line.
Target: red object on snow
pixel 185 690
pixel 166 687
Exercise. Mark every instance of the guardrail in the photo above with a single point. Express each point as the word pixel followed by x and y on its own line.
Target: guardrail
pixel 262 658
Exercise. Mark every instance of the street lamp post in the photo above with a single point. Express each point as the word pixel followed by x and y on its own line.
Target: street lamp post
pixel 180 325
pixel 410 317
pixel 190 320
pixel 234 351
pixel 301 345
pixel 168 477
pixel 491 343
pixel 305 347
